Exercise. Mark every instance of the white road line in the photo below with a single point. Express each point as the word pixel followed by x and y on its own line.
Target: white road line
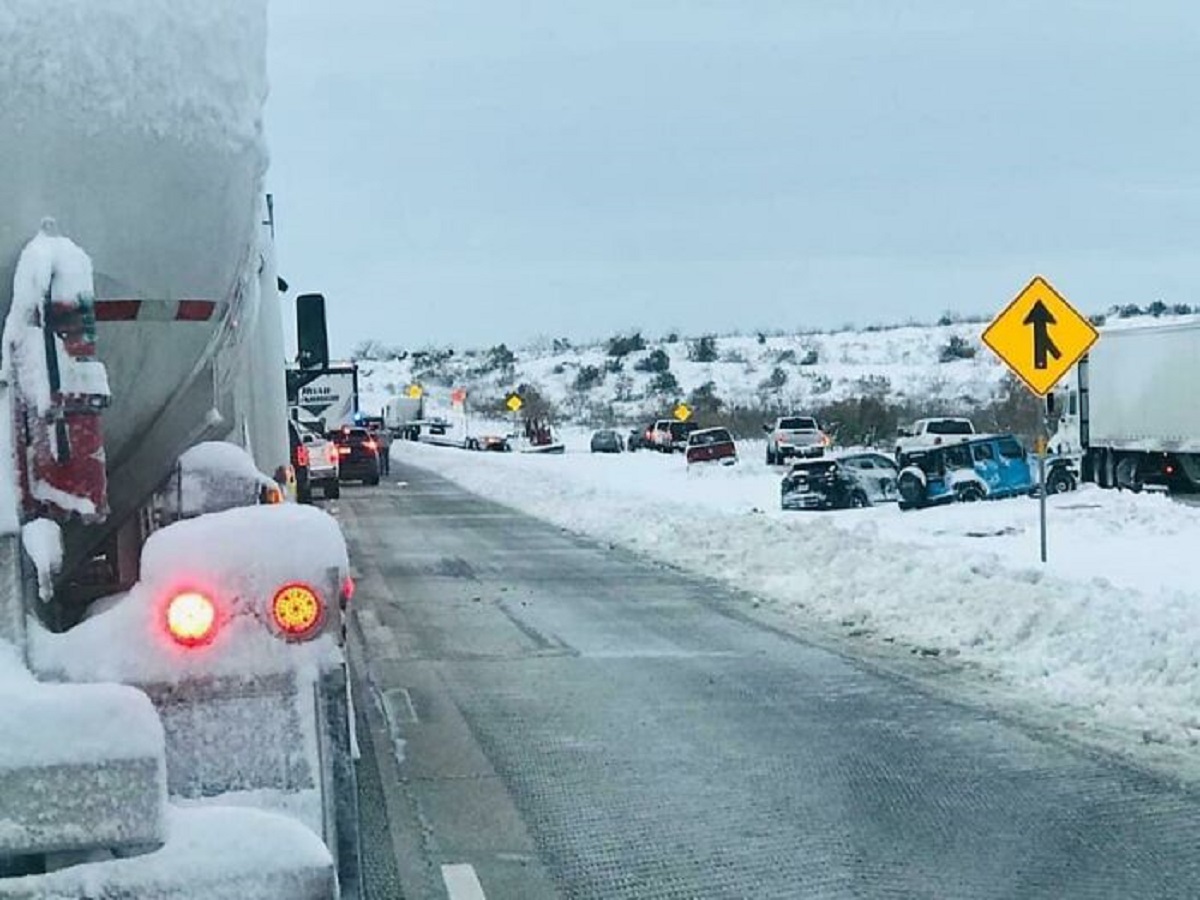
pixel 462 883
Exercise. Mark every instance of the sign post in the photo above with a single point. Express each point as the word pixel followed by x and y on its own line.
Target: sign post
pixel 514 404
pixel 1040 336
pixel 458 400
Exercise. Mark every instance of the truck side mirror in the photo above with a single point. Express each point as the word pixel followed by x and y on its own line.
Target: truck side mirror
pixel 312 339
pixel 767 428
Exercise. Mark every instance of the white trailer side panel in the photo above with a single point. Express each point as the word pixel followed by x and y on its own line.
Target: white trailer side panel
pixel 1144 388
pixel 332 397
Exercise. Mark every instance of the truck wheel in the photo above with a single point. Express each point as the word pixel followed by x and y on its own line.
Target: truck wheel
pixel 911 490
pixel 332 489
pixel 1059 482
pixel 372 481
pixel 858 500
pixel 1128 476
pixel 770 457
pixel 970 493
pixel 304 493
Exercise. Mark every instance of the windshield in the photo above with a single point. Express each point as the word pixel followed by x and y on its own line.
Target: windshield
pixel 798 424
pixel 717 436
pixel 948 426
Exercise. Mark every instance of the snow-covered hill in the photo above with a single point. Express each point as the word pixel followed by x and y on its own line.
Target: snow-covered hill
pixel 919 370
pixel 800 371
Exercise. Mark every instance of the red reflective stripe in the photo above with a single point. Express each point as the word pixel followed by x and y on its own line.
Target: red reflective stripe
pixel 117 310
pixel 195 310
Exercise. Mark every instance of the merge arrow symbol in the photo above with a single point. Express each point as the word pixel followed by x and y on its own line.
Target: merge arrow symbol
pixel 1041 319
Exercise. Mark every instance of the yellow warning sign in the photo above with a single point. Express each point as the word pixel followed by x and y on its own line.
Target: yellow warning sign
pixel 683 412
pixel 415 391
pixel 1040 336
pixel 514 402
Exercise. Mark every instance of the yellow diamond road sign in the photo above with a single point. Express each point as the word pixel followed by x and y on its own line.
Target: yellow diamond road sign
pixel 683 412
pixel 514 403
pixel 414 391
pixel 1040 336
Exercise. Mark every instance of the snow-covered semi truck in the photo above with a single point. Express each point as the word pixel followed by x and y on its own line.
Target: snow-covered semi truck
pixel 174 698
pixel 1128 412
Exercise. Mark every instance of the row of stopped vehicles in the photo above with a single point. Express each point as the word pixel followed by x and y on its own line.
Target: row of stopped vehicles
pixel 1124 418
pixel 936 461
pixel 174 694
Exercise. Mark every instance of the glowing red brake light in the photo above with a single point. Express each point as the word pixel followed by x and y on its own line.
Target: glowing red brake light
pixel 348 589
pixel 297 610
pixel 343 451
pixel 301 455
pixel 191 618
pixel 370 445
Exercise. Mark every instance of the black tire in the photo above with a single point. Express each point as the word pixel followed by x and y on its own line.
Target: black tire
pixel 373 480
pixel 770 457
pixel 304 492
pixel 332 490
pixel 912 491
pixel 969 493
pixel 1059 481
pixel 858 500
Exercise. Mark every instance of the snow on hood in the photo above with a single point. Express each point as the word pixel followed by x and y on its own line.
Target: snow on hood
pixel 214 476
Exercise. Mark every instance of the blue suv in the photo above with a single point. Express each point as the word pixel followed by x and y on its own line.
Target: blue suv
pixel 984 467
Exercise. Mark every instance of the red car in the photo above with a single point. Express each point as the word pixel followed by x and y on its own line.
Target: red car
pixel 711 445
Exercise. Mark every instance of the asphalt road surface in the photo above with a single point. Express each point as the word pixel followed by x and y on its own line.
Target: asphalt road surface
pixel 549 717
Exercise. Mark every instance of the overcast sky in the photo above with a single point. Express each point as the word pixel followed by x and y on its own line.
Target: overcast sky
pixel 477 171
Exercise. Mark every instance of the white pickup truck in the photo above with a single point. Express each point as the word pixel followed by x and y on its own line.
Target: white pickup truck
pixel 932 432
pixel 794 436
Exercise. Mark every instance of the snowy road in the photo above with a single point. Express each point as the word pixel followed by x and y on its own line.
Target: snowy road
pixel 571 720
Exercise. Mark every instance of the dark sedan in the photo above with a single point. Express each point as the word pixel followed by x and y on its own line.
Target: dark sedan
pixel 606 442
pixel 359 455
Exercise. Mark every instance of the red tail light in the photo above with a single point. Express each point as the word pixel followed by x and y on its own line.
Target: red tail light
pixel 301 455
pixel 191 618
pixel 331 453
pixel 371 445
pixel 348 589
pixel 343 451
pixel 297 610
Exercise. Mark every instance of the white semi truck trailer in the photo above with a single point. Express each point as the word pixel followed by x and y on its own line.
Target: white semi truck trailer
pixel 191 735
pixel 1128 412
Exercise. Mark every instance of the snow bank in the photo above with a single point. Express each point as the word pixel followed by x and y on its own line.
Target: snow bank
pixel 185 70
pixel 1111 626
pixel 239 558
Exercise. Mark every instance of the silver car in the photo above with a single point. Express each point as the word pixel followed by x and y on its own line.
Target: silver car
pixel 876 472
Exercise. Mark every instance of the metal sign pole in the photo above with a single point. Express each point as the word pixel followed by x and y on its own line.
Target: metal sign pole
pixel 1042 492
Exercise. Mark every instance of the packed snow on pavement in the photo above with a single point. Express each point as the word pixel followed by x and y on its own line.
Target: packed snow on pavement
pixel 1109 627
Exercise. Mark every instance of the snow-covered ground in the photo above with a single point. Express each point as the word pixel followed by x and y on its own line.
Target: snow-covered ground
pixel 1109 629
